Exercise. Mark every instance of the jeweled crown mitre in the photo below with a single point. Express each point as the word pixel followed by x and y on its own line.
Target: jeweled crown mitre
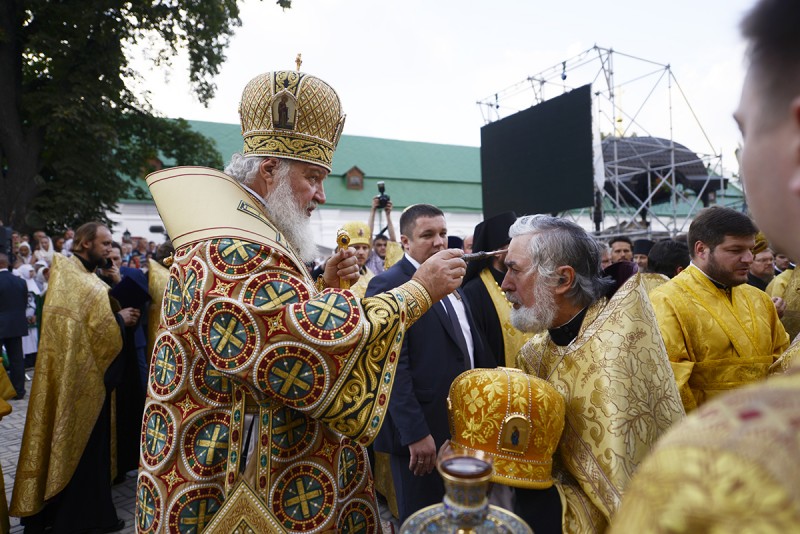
pixel 289 114
pixel 515 418
pixel 358 232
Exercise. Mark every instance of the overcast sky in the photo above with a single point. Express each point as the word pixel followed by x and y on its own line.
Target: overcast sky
pixel 414 69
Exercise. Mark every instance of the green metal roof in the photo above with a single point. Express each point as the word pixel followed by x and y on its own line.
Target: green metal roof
pixel 448 176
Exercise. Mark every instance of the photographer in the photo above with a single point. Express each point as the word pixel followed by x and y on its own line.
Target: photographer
pixel 380 244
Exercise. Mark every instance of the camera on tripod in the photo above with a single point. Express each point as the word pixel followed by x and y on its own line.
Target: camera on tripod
pixel 383 198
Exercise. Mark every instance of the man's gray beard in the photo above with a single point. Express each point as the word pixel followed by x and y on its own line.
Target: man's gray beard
pixel 290 220
pixel 540 316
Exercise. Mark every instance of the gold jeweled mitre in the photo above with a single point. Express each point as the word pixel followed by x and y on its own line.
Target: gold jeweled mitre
pixel 288 114
pixel 515 418
pixel 358 232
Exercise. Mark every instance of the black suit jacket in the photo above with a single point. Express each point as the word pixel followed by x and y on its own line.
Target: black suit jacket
pixel 429 361
pixel 13 301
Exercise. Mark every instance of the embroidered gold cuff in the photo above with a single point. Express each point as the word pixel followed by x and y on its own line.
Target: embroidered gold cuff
pixel 418 300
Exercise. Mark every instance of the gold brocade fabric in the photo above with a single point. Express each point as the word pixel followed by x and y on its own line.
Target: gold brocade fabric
pixel 653 280
pixel 394 253
pixel 515 418
pixel 620 398
pixel 7 390
pixel 5 526
pixel 513 339
pixel 157 278
pixel 715 343
pixel 787 286
pixel 731 466
pixel 243 328
pixel 79 340
pixel 787 359
pixel 777 286
pixel 359 289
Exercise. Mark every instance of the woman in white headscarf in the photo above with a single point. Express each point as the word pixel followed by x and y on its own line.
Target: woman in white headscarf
pixel 24 254
pixel 42 276
pixel 30 343
pixel 45 250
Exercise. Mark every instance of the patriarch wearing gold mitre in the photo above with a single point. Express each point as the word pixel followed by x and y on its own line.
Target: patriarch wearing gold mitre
pixel 266 385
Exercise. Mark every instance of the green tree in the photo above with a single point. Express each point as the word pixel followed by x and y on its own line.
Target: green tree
pixel 73 137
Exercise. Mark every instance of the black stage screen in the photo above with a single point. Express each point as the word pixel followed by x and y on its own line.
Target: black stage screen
pixel 540 160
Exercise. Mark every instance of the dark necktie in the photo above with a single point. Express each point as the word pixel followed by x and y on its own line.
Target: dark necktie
pixel 460 340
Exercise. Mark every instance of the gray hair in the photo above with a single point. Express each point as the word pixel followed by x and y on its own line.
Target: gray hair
pixel 560 242
pixel 244 169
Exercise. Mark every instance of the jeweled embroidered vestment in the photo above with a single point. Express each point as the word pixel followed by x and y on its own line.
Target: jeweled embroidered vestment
pixel 716 341
pixel 244 332
pixel 620 396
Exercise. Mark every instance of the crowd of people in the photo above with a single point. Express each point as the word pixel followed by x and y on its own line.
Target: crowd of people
pixel 621 385
pixel 32 264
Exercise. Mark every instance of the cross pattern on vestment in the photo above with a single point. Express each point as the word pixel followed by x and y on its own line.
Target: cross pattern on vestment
pixel 352 526
pixel 349 461
pixel 163 365
pixel 273 296
pixel 227 335
pixel 199 520
pixel 156 432
pixel 302 498
pixel 211 444
pixel 288 426
pixel 223 378
pixel 326 309
pixel 188 291
pixel 174 297
pixel 237 247
pixel 291 378
pixel 145 509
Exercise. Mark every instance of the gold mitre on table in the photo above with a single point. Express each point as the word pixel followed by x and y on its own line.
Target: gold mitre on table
pixel 515 418
pixel 358 232
pixel 289 114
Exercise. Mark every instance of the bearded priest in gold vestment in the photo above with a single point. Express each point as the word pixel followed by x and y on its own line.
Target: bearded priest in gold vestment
pixel 64 473
pixel 732 465
pixel 260 376
pixel 720 332
pixel 599 347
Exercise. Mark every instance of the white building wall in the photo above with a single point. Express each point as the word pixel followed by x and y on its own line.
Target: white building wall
pixel 137 218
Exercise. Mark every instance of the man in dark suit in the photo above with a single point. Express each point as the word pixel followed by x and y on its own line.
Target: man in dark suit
pixel 13 324
pixel 436 349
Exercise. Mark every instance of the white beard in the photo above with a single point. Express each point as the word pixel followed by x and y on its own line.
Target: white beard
pixel 540 316
pixel 292 222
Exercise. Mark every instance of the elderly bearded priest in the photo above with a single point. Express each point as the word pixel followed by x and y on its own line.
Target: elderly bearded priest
pixel 254 360
pixel 601 350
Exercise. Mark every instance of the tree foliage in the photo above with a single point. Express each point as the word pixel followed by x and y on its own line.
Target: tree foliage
pixel 72 133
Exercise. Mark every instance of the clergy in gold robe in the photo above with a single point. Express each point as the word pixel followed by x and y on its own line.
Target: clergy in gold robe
pixel 260 375
pixel 787 286
pixel 360 242
pixel 720 333
pixel 731 466
pixel 63 477
pixel 5 526
pixel 599 347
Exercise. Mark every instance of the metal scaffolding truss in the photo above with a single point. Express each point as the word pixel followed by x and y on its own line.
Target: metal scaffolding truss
pixel 652 183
